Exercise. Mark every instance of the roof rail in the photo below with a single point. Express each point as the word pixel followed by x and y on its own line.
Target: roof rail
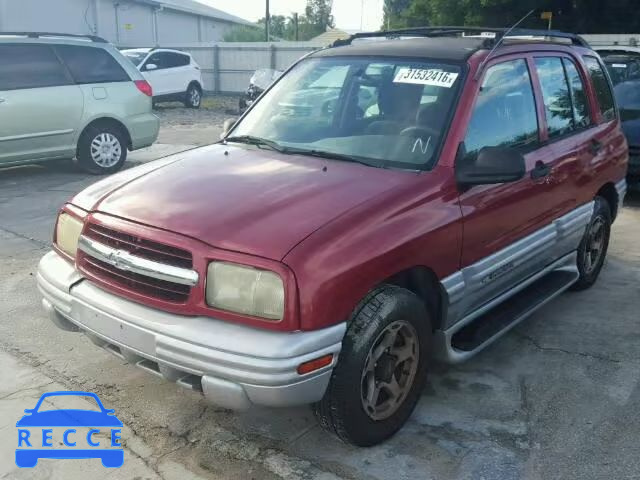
pixel 93 38
pixel 431 32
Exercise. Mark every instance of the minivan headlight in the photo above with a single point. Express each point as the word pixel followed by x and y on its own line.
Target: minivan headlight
pixel 68 232
pixel 245 290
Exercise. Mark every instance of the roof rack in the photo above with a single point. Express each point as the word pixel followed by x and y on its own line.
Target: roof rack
pixel 500 33
pixel 93 38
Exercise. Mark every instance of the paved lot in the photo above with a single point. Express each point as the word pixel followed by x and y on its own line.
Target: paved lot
pixel 558 398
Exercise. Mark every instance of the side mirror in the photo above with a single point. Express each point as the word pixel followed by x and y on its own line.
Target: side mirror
pixel 28 411
pixel 490 166
pixel 150 66
pixel 227 126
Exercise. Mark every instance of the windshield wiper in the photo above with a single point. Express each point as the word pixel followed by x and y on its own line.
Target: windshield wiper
pixel 257 141
pixel 332 156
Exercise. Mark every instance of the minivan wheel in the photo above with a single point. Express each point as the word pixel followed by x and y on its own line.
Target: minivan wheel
pixel 381 370
pixel 102 149
pixel 594 245
pixel 193 97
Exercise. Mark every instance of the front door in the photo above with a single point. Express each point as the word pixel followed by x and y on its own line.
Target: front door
pixel 40 107
pixel 504 238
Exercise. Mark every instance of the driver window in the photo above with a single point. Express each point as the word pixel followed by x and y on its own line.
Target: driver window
pixel 505 111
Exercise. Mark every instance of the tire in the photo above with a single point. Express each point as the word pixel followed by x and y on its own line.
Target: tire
pixel 193 96
pixel 598 233
pixel 344 410
pixel 91 159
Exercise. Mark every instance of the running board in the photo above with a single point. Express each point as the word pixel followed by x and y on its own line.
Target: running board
pixel 476 332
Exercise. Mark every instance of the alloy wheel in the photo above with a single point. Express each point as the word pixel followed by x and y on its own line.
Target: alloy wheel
pixel 390 368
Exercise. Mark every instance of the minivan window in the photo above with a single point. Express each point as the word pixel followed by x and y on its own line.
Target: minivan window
pixel 505 111
pixel 602 88
pixel 91 65
pixel 364 109
pixel 581 110
pixel 555 95
pixel 30 66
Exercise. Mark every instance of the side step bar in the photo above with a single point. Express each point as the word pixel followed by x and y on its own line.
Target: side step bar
pixel 480 329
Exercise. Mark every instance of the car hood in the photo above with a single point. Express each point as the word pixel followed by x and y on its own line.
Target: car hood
pixel 69 418
pixel 240 198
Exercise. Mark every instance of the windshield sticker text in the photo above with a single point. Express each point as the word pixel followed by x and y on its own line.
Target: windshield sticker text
pixel 418 76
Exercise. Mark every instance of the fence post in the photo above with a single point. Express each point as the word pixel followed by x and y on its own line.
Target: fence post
pixel 216 68
pixel 273 57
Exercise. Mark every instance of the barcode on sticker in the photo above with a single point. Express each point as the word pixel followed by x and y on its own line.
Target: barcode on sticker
pixel 418 76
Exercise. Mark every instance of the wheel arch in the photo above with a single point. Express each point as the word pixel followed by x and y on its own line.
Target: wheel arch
pixel 424 283
pixel 108 121
pixel 610 194
pixel 196 83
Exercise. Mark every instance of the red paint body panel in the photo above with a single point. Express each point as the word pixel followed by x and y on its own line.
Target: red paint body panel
pixel 334 235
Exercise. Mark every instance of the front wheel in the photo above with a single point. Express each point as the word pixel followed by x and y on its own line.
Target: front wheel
pixel 102 149
pixel 193 97
pixel 594 245
pixel 382 368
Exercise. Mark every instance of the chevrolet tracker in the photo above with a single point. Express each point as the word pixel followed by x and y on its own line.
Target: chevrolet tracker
pixel 397 198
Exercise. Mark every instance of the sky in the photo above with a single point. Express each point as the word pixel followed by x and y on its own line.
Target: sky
pixel 348 13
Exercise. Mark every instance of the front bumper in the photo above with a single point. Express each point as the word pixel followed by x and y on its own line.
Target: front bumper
pixel 234 366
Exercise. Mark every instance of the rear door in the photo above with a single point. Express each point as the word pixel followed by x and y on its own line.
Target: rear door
pixel 40 106
pixel 180 71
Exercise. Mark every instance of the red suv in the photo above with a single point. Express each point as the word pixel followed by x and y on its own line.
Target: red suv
pixel 384 203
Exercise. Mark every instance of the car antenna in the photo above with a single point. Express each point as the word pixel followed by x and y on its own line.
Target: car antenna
pixel 499 42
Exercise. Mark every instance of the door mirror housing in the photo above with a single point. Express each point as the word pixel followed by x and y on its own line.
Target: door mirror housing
pixel 150 66
pixel 491 165
pixel 227 126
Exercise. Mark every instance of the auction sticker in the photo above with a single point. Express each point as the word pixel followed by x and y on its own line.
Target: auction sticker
pixel 418 76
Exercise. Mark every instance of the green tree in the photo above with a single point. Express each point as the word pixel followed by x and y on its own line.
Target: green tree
pixel 317 17
pixel 393 11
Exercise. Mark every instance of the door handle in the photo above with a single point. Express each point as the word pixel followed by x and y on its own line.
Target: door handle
pixel 541 170
pixel 595 147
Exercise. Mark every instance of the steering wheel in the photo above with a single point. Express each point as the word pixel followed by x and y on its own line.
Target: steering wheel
pixel 419 132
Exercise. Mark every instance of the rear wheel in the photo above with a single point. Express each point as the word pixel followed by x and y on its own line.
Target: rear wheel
pixel 102 149
pixel 193 97
pixel 382 368
pixel 594 245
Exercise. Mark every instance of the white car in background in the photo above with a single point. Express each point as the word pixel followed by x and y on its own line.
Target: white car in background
pixel 173 75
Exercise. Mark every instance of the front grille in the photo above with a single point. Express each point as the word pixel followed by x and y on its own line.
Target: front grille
pixel 140 247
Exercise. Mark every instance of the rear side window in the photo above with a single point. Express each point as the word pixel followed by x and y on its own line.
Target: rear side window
pixel 602 88
pixel 169 60
pixel 578 95
pixel 178 60
pixel 555 94
pixel 30 66
pixel 91 65
pixel 505 111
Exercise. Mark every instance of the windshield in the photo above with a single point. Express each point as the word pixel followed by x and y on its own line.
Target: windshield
pixel 384 112
pixel 136 57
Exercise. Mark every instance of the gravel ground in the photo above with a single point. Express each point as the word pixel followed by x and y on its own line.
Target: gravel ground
pixel 214 111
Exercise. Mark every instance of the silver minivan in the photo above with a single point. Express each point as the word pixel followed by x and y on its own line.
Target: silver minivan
pixel 67 96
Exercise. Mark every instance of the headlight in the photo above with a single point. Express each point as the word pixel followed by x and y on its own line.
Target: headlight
pixel 246 290
pixel 67 233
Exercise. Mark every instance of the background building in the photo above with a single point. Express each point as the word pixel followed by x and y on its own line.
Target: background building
pixel 135 23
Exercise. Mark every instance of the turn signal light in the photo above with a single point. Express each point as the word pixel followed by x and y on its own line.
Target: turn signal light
pixel 317 364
